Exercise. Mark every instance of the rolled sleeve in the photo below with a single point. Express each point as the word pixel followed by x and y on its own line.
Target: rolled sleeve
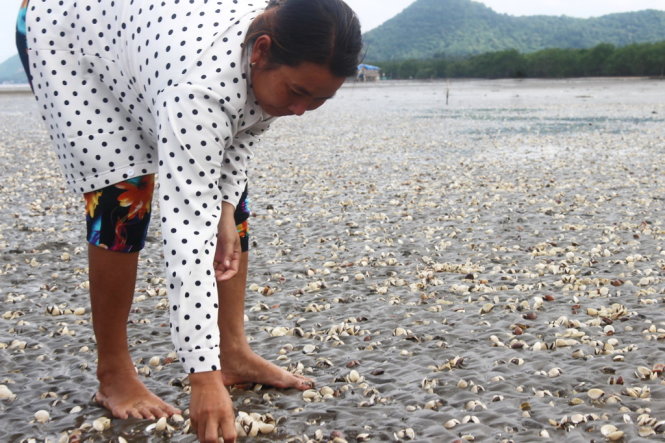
pixel 193 132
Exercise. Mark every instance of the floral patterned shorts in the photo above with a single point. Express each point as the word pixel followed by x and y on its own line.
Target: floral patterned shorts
pixel 117 217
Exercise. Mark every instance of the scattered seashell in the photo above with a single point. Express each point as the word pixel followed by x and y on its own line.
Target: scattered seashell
pixel 643 373
pixel 577 418
pixel 310 395
pixel 470 419
pixel 54 310
pixel 554 372
pixel 606 430
pixel 6 393
pixel 451 423
pixel 279 331
pixel 595 394
pixel 101 424
pixel 353 377
pixel 399 331
pixel 42 416
pixel 309 349
pixel 266 428
pixel 611 432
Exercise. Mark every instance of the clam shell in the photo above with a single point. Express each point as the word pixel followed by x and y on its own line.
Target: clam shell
pixel 42 416
pixel 595 394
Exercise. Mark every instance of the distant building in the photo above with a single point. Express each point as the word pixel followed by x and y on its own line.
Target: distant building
pixel 368 73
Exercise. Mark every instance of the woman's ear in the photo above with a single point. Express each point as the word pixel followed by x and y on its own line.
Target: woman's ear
pixel 261 51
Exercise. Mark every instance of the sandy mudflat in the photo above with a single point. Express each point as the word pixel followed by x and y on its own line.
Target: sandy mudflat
pixel 491 269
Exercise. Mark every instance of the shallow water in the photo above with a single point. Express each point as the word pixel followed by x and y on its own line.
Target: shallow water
pixel 523 204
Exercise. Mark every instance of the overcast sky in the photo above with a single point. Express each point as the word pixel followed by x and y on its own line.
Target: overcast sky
pixel 374 12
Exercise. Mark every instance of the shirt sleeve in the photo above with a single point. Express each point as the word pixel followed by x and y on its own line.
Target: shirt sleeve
pixel 236 158
pixel 193 132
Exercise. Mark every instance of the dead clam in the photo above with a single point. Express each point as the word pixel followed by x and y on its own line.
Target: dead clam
pixel 595 393
pixel 252 424
pixel 611 432
pixel 161 425
pixel 101 424
pixel 644 373
pixel 405 434
pixel 6 393
pixel 637 392
pixel 42 416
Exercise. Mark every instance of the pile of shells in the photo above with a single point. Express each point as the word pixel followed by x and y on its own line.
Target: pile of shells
pixel 490 270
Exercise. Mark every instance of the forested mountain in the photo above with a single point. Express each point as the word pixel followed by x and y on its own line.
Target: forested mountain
pixel 430 28
pixel 448 29
pixel 11 71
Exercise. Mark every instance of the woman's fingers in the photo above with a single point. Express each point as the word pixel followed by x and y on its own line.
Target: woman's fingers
pixel 223 273
pixel 211 410
pixel 227 260
pixel 228 430
pixel 210 434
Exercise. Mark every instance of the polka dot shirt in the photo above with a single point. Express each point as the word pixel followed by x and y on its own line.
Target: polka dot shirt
pixel 128 88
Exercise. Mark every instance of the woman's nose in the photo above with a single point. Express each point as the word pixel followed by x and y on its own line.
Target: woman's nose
pixel 298 108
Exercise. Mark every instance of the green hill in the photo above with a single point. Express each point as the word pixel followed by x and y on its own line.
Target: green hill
pixel 11 71
pixel 430 28
pixel 451 28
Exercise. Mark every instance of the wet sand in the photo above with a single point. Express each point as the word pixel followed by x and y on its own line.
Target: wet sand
pixel 490 269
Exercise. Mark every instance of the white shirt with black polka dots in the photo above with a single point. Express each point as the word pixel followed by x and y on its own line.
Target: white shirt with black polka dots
pixel 128 88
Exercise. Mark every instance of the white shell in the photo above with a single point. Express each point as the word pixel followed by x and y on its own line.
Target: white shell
pixel 309 349
pixel 6 393
pixel 101 424
pixel 279 331
pixel 42 416
pixel 266 428
pixel 451 423
pixel 606 430
pixel 161 424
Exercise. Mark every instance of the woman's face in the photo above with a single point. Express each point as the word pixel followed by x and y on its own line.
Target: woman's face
pixel 286 90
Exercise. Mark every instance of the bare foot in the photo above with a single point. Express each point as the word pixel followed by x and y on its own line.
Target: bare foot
pixel 126 396
pixel 251 368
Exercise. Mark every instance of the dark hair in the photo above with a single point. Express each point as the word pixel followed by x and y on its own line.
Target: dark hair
pixel 325 32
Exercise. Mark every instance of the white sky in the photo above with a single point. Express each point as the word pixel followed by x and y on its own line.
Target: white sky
pixel 374 12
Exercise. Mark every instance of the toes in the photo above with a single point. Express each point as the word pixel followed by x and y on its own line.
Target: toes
pixel 146 412
pixel 170 410
pixel 165 410
pixel 135 413
pixel 159 411
pixel 102 401
pixel 303 383
pixel 122 415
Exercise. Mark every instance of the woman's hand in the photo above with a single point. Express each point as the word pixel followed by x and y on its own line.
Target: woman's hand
pixel 227 254
pixel 210 409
